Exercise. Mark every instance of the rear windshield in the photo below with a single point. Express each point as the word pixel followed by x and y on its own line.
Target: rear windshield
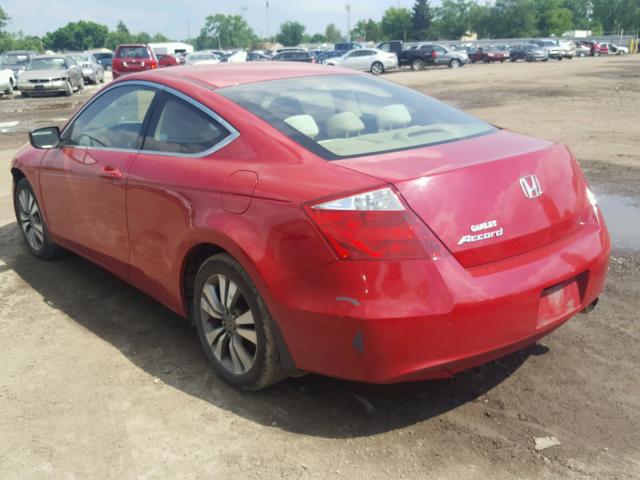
pixel 339 116
pixel 13 59
pixel 133 52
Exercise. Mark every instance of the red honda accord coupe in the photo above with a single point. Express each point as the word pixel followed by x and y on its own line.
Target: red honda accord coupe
pixel 314 219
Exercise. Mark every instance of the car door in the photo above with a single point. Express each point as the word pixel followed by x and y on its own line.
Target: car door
pixel 366 59
pixel 182 164
pixel 350 60
pixel 83 181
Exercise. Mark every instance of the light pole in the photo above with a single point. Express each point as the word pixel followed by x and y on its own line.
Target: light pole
pixel 267 17
pixel 348 8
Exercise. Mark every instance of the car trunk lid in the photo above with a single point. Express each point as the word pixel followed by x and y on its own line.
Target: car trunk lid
pixel 489 197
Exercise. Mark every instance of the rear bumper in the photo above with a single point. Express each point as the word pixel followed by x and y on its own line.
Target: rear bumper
pixel 385 322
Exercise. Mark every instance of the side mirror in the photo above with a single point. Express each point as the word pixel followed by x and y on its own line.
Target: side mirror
pixel 47 137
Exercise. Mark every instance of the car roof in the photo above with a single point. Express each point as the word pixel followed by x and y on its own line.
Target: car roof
pixel 49 56
pixel 231 74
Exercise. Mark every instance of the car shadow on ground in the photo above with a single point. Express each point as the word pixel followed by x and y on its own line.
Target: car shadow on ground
pixel 166 347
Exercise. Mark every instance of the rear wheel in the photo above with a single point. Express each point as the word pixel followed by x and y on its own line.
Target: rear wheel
pixel 454 63
pixel 9 90
pixel 235 328
pixel 29 217
pixel 377 68
pixel 417 64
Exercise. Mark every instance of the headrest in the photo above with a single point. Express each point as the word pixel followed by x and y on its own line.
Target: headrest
pixel 345 124
pixel 393 116
pixel 305 124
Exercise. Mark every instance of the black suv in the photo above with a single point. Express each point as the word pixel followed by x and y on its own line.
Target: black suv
pixel 295 56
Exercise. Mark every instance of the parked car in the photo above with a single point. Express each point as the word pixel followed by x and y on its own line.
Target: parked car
pixel 167 60
pixel 327 55
pixel 392 46
pixel 105 59
pixel 487 55
pixel 367 60
pixel 325 237
pixel 257 57
pixel 528 52
pixel 346 46
pixel 618 49
pixel 92 70
pixel 17 60
pixel 51 74
pixel 7 81
pixel 431 54
pixel 202 58
pixel 295 56
pixel 567 48
pixel 551 46
pixel 133 58
pixel 582 49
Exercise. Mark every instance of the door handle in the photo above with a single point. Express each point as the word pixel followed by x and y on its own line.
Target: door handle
pixel 110 172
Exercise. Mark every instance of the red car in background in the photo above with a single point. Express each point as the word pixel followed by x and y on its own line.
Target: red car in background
pixel 488 55
pixel 166 60
pixel 133 58
pixel 312 218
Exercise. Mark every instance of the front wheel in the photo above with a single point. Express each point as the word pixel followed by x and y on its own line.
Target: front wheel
pixel 235 328
pixel 29 217
pixel 68 89
pixel 455 63
pixel 9 90
pixel 377 68
pixel 417 64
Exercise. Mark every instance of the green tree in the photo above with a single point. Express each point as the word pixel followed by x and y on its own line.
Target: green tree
pixel 225 31
pixel 514 19
pixel 615 15
pixel 552 17
pixel 318 38
pixel 396 23
pixel 4 19
pixel 291 34
pixel 332 34
pixel 421 19
pixel 119 36
pixel 580 13
pixel 159 37
pixel 79 35
pixel 453 18
pixel 368 30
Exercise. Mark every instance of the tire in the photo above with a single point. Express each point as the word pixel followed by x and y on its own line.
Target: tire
pixel 24 94
pixel 102 77
pixel 32 225
pixel 249 360
pixel 9 91
pixel 596 54
pixel 377 68
pixel 81 85
pixel 68 89
pixel 455 63
pixel 417 64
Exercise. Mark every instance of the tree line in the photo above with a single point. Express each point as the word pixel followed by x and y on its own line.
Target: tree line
pixel 451 20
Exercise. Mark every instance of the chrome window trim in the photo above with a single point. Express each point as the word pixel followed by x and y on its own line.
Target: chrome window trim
pixel 233 133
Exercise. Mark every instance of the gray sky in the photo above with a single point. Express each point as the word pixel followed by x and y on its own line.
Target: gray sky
pixel 174 19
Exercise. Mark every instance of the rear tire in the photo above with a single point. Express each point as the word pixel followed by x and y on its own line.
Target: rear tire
pixel 32 224
pixel 237 333
pixel 377 68
pixel 417 64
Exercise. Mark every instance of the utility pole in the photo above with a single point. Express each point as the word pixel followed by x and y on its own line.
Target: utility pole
pixel 348 8
pixel 267 18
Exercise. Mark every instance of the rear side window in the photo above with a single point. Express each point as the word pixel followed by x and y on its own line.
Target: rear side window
pixel 133 52
pixel 181 127
pixel 114 120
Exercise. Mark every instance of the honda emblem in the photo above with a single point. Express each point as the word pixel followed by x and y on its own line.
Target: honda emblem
pixel 530 186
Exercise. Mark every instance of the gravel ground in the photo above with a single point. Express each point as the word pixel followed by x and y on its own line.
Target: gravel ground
pixel 100 381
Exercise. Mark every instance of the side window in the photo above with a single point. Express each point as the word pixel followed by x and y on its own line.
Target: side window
pixel 114 120
pixel 180 127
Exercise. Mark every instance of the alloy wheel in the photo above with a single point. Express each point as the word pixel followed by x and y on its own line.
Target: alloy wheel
pixel 30 219
pixel 228 324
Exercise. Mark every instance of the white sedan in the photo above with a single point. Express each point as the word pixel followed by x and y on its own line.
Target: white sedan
pixel 368 60
pixel 202 58
pixel 7 81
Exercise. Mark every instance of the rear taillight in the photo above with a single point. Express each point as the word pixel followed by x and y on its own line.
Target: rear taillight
pixel 433 54
pixel 374 225
pixel 154 64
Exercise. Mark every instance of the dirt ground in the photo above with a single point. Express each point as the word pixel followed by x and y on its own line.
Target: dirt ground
pixel 97 380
